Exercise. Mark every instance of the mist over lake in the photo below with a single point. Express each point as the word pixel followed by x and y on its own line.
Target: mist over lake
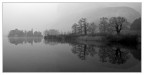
pixel 72 37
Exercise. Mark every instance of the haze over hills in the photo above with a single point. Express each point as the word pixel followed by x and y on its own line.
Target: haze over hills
pixel 129 13
pixel 136 25
pixel 94 15
pixel 61 16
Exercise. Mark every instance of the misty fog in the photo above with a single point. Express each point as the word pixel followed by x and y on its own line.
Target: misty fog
pixel 60 16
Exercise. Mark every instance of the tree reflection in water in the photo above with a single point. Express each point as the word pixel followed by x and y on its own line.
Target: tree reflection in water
pixel 111 54
pixel 21 40
pixel 114 55
pixel 51 42
pixel 83 50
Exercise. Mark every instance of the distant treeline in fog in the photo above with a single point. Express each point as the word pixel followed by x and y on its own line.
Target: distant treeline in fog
pixel 113 29
pixel 113 25
pixel 21 33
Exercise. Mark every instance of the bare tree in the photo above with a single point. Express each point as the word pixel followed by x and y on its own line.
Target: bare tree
pixel 80 27
pixel 104 23
pixel 75 28
pixel 117 23
pixel 92 28
pixel 114 24
pixel 83 26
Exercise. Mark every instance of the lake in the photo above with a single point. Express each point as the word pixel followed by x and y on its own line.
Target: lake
pixel 39 55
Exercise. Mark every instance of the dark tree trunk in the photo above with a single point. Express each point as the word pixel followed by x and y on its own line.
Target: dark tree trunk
pixel 85 30
pixel 85 47
pixel 118 32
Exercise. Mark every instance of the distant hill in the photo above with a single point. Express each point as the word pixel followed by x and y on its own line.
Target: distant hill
pixel 136 25
pixel 94 15
pixel 129 13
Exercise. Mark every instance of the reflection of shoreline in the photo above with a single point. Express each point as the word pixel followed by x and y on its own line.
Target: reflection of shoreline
pixel 112 53
pixel 21 40
pixel 115 56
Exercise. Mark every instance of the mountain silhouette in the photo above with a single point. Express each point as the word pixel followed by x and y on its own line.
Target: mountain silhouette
pixel 136 25
pixel 94 15
pixel 129 13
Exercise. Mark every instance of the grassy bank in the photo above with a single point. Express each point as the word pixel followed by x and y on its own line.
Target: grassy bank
pixel 127 39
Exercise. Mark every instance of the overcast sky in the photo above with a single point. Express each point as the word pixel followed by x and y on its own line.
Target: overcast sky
pixel 41 16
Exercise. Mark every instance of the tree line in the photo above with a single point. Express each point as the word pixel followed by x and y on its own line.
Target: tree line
pixel 106 25
pixel 21 33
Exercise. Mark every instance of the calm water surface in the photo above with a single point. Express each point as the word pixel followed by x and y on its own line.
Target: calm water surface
pixel 38 55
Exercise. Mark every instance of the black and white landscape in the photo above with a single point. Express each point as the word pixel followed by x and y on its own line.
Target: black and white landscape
pixel 72 37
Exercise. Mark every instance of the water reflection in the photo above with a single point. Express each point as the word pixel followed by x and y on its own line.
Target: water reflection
pixel 80 54
pixel 109 54
pixel 51 42
pixel 114 55
pixel 83 50
pixel 21 40
pixel 136 52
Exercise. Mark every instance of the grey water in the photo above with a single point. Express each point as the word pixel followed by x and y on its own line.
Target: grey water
pixel 39 55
